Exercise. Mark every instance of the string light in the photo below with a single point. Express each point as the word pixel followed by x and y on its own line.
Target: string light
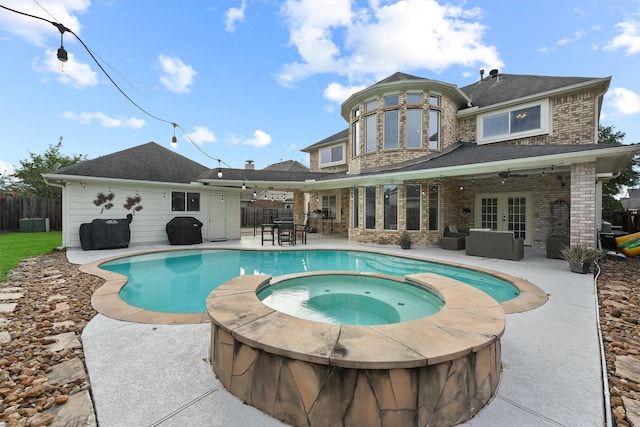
pixel 63 57
pixel 174 140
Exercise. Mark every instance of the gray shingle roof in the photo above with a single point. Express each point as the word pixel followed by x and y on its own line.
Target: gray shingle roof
pixel 507 87
pixel 466 153
pixel 146 162
pixel 289 166
pixel 260 175
pixel 399 76
pixel 338 136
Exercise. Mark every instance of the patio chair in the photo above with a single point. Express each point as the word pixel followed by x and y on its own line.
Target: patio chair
pixel 286 234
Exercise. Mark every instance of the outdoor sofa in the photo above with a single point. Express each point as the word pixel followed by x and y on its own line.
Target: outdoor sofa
pixel 494 244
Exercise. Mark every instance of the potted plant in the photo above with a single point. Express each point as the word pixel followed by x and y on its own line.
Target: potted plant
pixel 405 240
pixel 580 257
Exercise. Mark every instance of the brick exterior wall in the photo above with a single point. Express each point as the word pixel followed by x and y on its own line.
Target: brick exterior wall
pixel 573 121
pixel 583 204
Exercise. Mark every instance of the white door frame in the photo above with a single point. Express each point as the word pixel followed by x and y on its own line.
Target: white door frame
pixel 502 218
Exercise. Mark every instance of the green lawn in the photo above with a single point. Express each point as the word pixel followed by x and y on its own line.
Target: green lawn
pixel 16 246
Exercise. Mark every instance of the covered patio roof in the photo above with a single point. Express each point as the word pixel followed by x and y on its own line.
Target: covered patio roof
pixel 463 160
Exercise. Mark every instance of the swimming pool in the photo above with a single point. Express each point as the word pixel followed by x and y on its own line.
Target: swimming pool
pixel 180 281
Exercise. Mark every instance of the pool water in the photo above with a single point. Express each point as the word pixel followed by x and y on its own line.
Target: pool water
pixel 180 281
pixel 349 299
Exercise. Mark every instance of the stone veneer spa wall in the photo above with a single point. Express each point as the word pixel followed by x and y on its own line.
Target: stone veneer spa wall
pixel 435 371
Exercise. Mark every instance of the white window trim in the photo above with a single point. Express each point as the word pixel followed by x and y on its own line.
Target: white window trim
pixel 338 217
pixel 545 123
pixel 341 162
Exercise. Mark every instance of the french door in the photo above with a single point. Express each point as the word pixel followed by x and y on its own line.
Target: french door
pixel 506 212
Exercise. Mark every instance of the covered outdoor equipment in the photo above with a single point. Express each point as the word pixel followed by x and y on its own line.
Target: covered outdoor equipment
pixel 184 230
pixel 105 234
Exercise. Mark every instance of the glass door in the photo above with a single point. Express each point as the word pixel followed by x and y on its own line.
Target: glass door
pixel 506 212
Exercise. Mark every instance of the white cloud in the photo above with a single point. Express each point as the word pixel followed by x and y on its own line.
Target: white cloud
pixel 36 31
pixel 6 169
pixel 628 40
pixel 106 121
pixel 624 101
pixel 378 40
pixel 201 134
pixel 338 93
pixel 260 139
pixel 72 72
pixel 233 15
pixel 177 76
pixel 576 36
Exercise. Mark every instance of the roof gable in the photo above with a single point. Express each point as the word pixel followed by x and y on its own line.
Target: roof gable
pixel 336 137
pixel 146 162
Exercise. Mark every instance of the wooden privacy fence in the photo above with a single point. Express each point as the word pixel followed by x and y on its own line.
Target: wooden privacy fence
pixel 13 209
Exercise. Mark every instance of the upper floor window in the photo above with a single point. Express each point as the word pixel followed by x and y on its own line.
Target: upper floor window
pixel 391 129
pixel 414 98
pixel 185 202
pixel 330 156
pixel 434 100
pixel 527 120
pixel 414 128
pixel 370 133
pixel 356 112
pixel 370 106
pixel 391 100
pixel 434 129
pixel 356 138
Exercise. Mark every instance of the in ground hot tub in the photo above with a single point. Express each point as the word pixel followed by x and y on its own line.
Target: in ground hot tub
pixel 350 299
pixel 435 370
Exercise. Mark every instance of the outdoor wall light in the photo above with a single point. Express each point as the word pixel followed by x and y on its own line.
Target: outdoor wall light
pixel 219 170
pixel 244 187
pixel 466 210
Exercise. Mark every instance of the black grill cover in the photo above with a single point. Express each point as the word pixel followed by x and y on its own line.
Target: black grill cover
pixel 105 234
pixel 110 233
pixel 184 230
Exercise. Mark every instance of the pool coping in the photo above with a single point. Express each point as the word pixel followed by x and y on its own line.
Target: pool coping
pixel 106 299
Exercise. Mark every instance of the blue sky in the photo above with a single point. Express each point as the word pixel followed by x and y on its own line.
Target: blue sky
pixel 262 79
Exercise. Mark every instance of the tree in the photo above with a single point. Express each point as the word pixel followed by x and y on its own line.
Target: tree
pixel 629 177
pixel 29 181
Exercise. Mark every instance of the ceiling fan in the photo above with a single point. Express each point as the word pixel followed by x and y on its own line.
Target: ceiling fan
pixel 509 174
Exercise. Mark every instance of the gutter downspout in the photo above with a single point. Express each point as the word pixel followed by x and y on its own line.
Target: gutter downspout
pixel 603 361
pixel 63 187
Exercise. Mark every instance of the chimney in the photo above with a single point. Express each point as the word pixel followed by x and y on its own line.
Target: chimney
pixel 493 73
pixel 248 164
pixel 481 74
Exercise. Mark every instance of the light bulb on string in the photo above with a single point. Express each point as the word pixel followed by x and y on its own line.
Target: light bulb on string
pixel 174 140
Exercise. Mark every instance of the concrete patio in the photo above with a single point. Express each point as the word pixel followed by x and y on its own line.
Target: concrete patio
pixel 159 375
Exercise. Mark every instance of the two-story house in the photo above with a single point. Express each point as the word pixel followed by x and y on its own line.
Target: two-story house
pixel 508 152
